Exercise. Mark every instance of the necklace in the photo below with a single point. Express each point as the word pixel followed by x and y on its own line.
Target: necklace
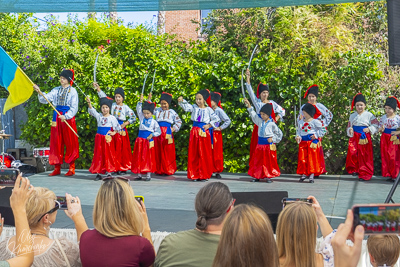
pixel 39 234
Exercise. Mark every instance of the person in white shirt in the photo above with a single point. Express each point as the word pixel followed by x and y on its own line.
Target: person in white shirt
pixel 390 143
pixel 265 162
pixel 170 123
pixel 122 143
pixel 144 158
pixel 258 101
pixel 362 124
pixel 325 118
pixel 218 149
pixel 200 165
pixel 65 99
pixel 104 156
pixel 308 129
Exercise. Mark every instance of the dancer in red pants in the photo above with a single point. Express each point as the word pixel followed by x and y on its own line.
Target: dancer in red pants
pixel 65 99
pixel 362 124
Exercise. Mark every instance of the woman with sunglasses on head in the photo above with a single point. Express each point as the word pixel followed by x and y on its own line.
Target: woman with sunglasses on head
pixel 41 210
pixel 296 236
pixel 122 233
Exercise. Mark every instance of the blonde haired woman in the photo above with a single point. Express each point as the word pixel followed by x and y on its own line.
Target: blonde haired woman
pixel 41 210
pixel 119 220
pixel 247 239
pixel 296 236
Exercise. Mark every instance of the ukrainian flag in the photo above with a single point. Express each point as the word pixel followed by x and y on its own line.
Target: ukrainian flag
pixel 15 81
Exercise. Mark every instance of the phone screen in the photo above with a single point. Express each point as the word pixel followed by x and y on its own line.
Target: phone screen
pixel 288 200
pixel 63 202
pixel 378 219
pixel 8 177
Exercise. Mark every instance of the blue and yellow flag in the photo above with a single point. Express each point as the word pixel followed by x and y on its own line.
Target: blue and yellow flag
pixel 15 81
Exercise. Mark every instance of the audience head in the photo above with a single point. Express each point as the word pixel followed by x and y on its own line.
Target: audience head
pixel 383 249
pixel 296 235
pixel 116 212
pixel 212 203
pixel 40 207
pixel 247 239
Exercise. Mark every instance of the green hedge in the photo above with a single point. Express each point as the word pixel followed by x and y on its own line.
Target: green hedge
pixel 183 68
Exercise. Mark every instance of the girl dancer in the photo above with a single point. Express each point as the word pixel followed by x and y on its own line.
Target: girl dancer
pixel 265 163
pixel 307 137
pixel 258 101
pixel 200 165
pixel 104 160
pixel 362 124
pixel 325 118
pixel 170 123
pixel 390 151
pixel 144 158
pixel 122 143
pixel 218 149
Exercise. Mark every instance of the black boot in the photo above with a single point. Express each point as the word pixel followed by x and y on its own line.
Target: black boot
pixel 98 177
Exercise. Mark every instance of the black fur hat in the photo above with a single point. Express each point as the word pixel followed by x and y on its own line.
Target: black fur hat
pixel 358 98
pixel 205 93
pixel 120 91
pixel 261 88
pixel 166 97
pixel 148 106
pixel 69 75
pixel 313 89
pixel 392 102
pixel 310 109
pixel 106 101
pixel 267 109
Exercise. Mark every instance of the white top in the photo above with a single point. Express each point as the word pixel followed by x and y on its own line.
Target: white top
pixel 266 128
pixel 147 124
pixel 392 123
pixel 222 117
pixel 364 119
pixel 325 248
pixel 102 121
pixel 60 96
pixel 258 104
pixel 120 112
pixel 312 127
pixel 206 115
pixel 169 116
pixel 325 118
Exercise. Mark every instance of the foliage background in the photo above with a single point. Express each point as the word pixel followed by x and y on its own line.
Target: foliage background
pixel 342 48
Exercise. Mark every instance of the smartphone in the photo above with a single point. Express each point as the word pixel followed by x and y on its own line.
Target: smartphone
pixel 377 218
pixel 139 199
pixel 288 200
pixel 8 176
pixel 63 202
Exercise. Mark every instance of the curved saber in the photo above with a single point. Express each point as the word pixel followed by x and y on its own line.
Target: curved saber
pixel 244 95
pixel 95 67
pixel 152 84
pixel 79 88
pixel 144 83
pixel 252 54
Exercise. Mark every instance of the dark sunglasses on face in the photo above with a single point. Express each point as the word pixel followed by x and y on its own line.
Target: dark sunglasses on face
pixel 57 206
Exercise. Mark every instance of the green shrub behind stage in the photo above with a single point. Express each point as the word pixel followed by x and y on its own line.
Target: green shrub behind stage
pixel 183 68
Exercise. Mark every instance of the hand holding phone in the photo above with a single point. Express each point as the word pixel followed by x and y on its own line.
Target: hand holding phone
pixel 63 202
pixel 8 176
pixel 377 218
pixel 139 199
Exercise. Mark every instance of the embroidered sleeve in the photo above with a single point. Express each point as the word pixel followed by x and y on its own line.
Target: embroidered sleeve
pixel 101 94
pixel 156 128
pixel 186 106
pixel 278 109
pixel 373 128
pixel 254 117
pixel 129 112
pixel 213 117
pixel 328 116
pixel 225 119
pixel 115 124
pixel 94 113
pixel 277 134
pixel 177 122
pixel 326 250
pixel 139 111
pixel 51 96
pixel 73 109
pixel 251 94
pixel 350 125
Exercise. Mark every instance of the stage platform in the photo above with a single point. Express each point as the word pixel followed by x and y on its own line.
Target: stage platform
pixel 170 199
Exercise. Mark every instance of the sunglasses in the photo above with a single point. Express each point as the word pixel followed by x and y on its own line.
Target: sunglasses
pixel 57 207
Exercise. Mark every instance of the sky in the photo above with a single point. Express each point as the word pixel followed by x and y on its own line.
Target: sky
pixel 127 17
